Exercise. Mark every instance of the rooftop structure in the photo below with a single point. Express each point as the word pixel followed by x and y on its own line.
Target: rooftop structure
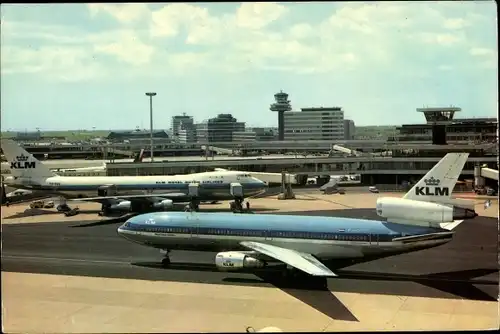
pixel 439 118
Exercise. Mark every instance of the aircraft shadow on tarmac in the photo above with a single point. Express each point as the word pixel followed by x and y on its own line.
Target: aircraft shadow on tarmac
pixel 313 293
pixel 30 213
pixel 310 292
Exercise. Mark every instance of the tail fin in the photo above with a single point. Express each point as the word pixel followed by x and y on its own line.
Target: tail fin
pixel 22 163
pixel 439 182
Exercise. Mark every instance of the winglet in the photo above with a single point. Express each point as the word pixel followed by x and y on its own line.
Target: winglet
pixel 440 180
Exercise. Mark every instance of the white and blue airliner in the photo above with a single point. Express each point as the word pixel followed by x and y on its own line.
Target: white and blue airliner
pixel 130 193
pixel 301 242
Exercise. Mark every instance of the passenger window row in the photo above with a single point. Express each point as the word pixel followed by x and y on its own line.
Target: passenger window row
pixel 252 233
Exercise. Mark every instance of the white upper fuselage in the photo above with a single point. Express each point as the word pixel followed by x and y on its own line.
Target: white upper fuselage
pixel 215 184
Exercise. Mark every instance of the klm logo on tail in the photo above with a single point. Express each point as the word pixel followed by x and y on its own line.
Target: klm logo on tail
pixel 432 188
pixel 22 163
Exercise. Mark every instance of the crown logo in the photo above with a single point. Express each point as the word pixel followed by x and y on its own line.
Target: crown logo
pixel 22 158
pixel 432 181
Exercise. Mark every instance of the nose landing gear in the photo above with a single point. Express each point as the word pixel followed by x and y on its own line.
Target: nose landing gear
pixel 166 258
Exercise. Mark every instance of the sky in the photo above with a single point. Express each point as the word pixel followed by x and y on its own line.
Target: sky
pixel 85 66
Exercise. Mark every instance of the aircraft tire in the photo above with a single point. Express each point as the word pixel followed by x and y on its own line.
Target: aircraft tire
pixel 165 262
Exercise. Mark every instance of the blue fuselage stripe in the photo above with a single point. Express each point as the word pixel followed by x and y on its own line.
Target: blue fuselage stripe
pixel 199 231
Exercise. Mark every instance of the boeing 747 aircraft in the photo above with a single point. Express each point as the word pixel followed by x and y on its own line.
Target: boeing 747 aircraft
pixel 253 241
pixel 130 193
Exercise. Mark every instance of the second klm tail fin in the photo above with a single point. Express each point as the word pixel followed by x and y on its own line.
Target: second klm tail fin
pixel 23 164
pixel 439 182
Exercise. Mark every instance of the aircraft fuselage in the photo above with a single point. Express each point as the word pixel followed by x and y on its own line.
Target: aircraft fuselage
pixel 212 186
pixel 324 237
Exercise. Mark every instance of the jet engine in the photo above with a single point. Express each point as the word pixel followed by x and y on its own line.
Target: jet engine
pixel 164 204
pixel 404 209
pixel 122 206
pixel 232 261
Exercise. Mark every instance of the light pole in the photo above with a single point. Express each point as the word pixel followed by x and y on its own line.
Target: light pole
pixel 151 94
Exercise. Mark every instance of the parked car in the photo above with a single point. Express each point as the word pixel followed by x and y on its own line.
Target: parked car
pixel 72 212
pixel 36 205
pixel 373 189
pixel 49 205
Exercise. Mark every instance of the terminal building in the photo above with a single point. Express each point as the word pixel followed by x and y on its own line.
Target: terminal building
pixel 218 129
pixel 377 161
pixel 323 123
pixel 473 130
pixel 314 124
pixel 138 136
pixel 185 124
pixel 349 129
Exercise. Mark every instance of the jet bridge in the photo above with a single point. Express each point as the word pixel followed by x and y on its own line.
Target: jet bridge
pixel 489 173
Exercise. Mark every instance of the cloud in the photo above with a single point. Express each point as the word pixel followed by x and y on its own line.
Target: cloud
pixel 482 52
pixel 66 64
pixel 455 23
pixel 257 15
pixel 485 57
pixel 180 37
pixel 124 13
pixel 127 47
pixel 441 39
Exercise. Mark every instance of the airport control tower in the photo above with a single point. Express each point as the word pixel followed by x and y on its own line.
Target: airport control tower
pixel 281 105
pixel 439 118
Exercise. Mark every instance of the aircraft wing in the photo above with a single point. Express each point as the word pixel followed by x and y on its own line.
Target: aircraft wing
pixel 139 197
pixel 303 261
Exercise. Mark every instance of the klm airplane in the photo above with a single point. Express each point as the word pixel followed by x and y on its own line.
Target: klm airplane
pixel 254 241
pixel 129 193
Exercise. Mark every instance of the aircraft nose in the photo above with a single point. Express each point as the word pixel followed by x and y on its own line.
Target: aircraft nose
pixel 127 226
pixel 262 183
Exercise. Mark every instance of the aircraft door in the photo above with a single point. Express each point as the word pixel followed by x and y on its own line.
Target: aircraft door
pixel 193 226
pixel 269 236
pixel 107 190
pixel 373 239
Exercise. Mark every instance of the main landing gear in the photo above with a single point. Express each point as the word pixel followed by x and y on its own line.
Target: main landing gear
pixel 166 258
pixel 194 205
pixel 237 205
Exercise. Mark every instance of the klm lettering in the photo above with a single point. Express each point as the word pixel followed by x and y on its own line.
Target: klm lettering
pixel 434 191
pixel 22 164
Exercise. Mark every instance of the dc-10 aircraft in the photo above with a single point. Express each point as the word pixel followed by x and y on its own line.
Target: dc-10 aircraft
pixel 253 241
pixel 130 193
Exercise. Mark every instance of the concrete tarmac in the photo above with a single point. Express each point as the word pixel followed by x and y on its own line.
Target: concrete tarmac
pixel 460 278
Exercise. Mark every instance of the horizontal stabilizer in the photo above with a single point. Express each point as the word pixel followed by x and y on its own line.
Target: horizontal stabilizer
pixel 451 225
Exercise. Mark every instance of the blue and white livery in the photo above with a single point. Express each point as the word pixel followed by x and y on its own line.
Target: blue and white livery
pixel 130 193
pixel 252 241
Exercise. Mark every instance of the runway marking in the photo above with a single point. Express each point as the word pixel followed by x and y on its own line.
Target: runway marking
pixel 347 274
pixel 62 259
